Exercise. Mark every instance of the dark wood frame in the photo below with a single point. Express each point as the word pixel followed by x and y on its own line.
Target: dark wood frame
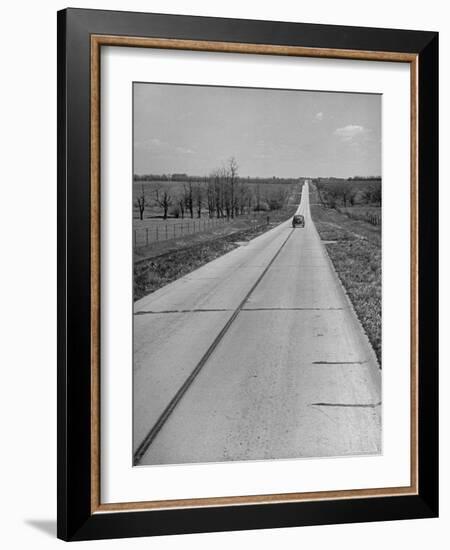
pixel 81 34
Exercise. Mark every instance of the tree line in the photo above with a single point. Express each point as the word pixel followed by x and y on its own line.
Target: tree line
pixel 182 177
pixel 349 192
pixel 222 194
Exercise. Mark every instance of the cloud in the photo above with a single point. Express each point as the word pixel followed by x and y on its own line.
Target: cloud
pixel 350 132
pixel 261 156
pixel 159 147
pixel 184 151
pixel 155 141
pixel 151 145
pixel 319 116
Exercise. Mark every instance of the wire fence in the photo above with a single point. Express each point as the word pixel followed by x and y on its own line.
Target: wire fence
pixel 164 231
pixel 370 217
pixel 374 219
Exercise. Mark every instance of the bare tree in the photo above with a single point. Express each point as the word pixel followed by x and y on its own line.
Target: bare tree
pixel 224 192
pixel 353 196
pixel 242 198
pixel 141 202
pixel 198 198
pixel 181 205
pixel 219 179
pixel 211 196
pixel 188 197
pixel 258 197
pixel 276 198
pixel 319 189
pixel 372 194
pixel 375 195
pixel 335 193
pixel 329 196
pixel 164 200
pixel 232 169
pixel 344 192
pixel 227 192
pixel 249 203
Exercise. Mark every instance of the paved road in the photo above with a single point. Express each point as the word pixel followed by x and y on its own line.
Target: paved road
pixel 255 355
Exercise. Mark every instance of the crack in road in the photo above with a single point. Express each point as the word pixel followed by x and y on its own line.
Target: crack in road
pixel 360 405
pixel 212 310
pixel 292 309
pixel 339 362
pixel 180 311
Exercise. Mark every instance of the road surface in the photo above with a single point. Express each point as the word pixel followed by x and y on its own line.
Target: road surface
pixel 256 355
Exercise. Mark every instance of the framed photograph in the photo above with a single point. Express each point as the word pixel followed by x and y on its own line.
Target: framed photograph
pixel 247 254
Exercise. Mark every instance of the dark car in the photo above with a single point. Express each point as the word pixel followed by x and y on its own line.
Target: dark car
pixel 298 221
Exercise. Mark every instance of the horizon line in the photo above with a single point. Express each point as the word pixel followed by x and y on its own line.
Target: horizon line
pixel 263 177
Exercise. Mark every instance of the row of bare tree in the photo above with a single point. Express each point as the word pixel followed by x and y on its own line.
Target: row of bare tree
pixel 349 193
pixel 222 195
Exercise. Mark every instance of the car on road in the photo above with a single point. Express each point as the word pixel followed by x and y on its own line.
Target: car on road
pixel 298 221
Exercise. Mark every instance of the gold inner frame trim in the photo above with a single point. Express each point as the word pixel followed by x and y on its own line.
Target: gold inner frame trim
pixel 97 41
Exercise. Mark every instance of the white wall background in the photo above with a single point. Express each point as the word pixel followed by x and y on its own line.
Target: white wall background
pixel 28 271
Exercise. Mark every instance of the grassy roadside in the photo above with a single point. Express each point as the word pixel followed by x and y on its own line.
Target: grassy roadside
pixel 354 247
pixel 171 260
pixel 191 239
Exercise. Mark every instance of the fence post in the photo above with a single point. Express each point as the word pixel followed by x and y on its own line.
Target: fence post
pixel 157 234
pixel 135 238
pixel 166 232
pixel 146 236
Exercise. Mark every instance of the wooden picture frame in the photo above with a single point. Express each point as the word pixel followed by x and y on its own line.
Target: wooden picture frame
pixel 81 35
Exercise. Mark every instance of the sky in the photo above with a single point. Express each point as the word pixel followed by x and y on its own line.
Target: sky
pixel 283 133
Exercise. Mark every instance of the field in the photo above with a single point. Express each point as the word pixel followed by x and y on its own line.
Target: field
pixel 151 230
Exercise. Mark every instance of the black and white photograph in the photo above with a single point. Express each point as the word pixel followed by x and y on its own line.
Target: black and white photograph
pixel 257 274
